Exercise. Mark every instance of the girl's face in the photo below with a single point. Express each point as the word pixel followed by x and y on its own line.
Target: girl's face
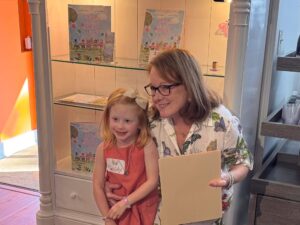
pixel 124 124
pixel 170 105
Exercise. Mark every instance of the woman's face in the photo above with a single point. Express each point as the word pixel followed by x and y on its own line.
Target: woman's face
pixel 170 105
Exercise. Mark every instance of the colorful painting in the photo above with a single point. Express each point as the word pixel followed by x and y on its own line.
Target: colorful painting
pixel 88 25
pixel 162 31
pixel 108 51
pixel 84 141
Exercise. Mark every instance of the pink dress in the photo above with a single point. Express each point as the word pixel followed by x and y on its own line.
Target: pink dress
pixel 126 166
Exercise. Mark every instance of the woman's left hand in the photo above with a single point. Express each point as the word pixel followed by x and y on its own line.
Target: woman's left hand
pixel 236 174
pixel 218 182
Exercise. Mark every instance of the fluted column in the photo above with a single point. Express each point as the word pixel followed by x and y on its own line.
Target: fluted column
pixel 248 25
pixel 236 47
pixel 44 109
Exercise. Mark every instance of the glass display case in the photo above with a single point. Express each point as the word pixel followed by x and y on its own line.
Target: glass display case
pixel 203 33
pixel 74 90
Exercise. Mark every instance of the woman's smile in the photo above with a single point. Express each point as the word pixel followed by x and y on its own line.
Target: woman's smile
pixel 167 105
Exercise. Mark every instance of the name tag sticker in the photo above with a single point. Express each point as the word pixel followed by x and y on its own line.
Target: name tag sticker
pixel 115 165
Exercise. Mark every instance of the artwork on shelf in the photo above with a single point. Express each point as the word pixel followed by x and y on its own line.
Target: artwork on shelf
pixel 108 50
pixel 162 31
pixel 84 141
pixel 85 100
pixel 89 32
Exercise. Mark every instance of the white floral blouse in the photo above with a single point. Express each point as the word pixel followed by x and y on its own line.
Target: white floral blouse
pixel 220 131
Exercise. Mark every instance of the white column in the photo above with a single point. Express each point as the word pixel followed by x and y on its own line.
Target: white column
pixel 242 88
pixel 43 108
pixel 236 50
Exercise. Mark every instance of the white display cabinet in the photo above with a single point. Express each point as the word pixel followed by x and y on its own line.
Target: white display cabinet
pixel 66 195
pixel 99 78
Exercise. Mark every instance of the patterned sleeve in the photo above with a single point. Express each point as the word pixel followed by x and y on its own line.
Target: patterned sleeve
pixel 235 150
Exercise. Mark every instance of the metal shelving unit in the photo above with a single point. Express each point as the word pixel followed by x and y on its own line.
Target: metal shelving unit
pixel 289 63
pixel 276 186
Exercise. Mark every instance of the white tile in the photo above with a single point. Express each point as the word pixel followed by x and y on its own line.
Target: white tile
pixel 63 78
pixel 105 80
pixel 58 26
pixel 142 80
pixel 126 29
pixel 85 79
pixel 126 78
pixel 215 83
pixel 197 38
pixel 173 4
pixel 198 9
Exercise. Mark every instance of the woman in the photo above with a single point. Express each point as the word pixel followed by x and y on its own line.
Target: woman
pixel 189 118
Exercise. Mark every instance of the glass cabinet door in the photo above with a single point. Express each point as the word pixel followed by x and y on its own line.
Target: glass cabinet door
pixel 81 85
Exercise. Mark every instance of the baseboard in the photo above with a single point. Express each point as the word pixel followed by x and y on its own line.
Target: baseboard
pixel 19 189
pixel 11 146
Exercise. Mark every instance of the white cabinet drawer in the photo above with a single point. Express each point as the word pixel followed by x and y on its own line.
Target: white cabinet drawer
pixel 75 194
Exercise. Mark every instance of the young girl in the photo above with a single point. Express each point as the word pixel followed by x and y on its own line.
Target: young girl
pixel 129 157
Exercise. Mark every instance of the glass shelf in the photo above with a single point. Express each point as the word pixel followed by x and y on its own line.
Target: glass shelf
pixel 80 100
pixel 79 105
pixel 213 75
pixel 121 63
pixel 130 64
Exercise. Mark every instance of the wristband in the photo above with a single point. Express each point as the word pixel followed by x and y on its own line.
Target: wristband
pixel 229 178
pixel 125 199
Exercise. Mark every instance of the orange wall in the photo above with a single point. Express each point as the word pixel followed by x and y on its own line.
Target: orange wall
pixel 15 67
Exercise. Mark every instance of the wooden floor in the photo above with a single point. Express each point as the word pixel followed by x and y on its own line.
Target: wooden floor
pixel 18 206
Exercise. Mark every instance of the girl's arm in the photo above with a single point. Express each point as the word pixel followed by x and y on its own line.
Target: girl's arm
pixel 151 163
pixel 99 182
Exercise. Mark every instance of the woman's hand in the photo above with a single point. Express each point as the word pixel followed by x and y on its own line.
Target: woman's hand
pixel 111 197
pixel 226 181
pixel 236 174
pixel 219 182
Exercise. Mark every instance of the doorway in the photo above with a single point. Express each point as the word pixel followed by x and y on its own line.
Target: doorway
pixel 19 164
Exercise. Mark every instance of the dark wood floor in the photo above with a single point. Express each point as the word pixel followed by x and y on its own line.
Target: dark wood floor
pixel 18 206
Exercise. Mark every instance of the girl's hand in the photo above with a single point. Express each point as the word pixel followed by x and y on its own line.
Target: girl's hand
pixel 117 210
pixel 110 222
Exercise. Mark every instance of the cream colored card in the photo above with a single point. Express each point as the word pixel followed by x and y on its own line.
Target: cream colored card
pixel 186 195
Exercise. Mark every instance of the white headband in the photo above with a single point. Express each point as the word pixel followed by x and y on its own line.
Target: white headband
pixel 142 102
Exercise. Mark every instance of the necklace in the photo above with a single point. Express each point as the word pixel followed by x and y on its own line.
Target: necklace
pixel 128 160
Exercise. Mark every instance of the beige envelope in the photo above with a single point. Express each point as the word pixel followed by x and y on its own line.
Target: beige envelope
pixel 186 195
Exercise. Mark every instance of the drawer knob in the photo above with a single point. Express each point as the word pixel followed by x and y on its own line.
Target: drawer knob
pixel 73 195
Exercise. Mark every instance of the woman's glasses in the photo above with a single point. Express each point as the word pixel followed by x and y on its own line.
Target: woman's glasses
pixel 164 89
